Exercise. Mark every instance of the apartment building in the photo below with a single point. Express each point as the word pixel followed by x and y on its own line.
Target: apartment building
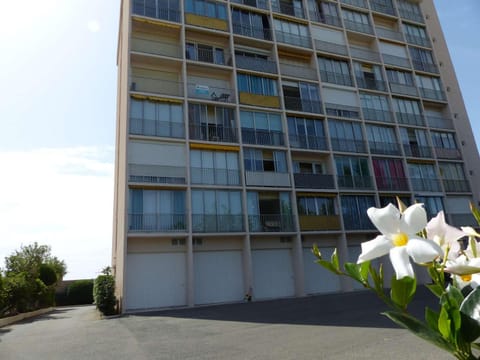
pixel 249 130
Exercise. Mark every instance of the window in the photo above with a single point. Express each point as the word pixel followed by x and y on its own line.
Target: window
pixel 211 123
pixel 423 177
pixel 316 206
pixel 302 97
pixel 382 140
pixel 306 133
pixel 356 21
pixel 408 111
pixel 335 71
pixel 416 34
pixel 324 12
pixel 400 77
pixel 444 140
pixel 410 10
pixel 251 24
pixel 261 128
pixel 257 85
pixel 375 107
pixel 214 167
pixel 453 176
pixel 433 204
pixel 205 53
pixel 354 212
pixel 352 166
pixel 369 76
pixel 265 160
pixel 211 9
pixel 415 142
pixel 303 167
pixel 161 9
pixel 346 136
pixel 389 174
pixel 289 7
pixel 292 33
pixel 422 59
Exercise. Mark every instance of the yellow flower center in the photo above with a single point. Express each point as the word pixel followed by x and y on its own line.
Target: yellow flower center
pixel 467 277
pixel 400 239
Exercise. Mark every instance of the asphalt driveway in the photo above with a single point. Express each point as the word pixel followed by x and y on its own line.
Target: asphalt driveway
pixel 342 326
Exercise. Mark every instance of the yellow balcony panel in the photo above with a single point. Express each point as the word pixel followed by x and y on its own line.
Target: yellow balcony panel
pixel 205 21
pixel 319 222
pixel 259 100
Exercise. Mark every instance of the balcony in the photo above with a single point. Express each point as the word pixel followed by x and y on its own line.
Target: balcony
pixel 293 39
pixel 410 119
pixel 357 182
pixel 271 223
pixel 377 115
pixel 207 92
pixel 348 145
pixel 421 184
pixel 298 71
pixel 403 89
pixel 459 185
pixel 396 61
pixel 423 66
pixel 358 27
pixel 260 4
pixel 341 110
pixel 156 174
pixel 213 223
pixel 209 22
pixel 256 64
pixel 419 151
pixel 143 8
pixel 466 219
pixel 157 223
pixel 319 222
pixel 336 78
pixel 440 122
pixel 267 178
pixel 357 222
pixel 331 48
pixel 388 34
pixel 287 8
pixel 209 55
pixel 213 176
pixel 417 40
pixel 410 15
pixel 146 127
pixel 384 148
pixel 365 54
pixel 314 181
pixel 148 46
pixel 311 142
pixel 371 84
pixel 253 32
pixel 444 153
pixel 248 98
pixel 298 104
pixel 156 86
pixel 358 3
pixel 213 132
pixel 262 137
pixel 325 18
pixel 391 184
pixel 432 94
pixel 382 7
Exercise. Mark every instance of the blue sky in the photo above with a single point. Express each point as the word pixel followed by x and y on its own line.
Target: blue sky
pixel 57 116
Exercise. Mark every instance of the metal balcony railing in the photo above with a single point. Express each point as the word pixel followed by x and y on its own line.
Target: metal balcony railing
pixel 358 27
pixel 262 137
pixel 377 115
pixel 213 176
pixel 254 32
pixel 432 94
pixel 391 184
pixel 419 151
pixel 466 219
pixel 396 61
pixel 355 182
pixel 403 89
pixel 348 145
pixel 325 18
pixel 312 142
pixel 372 84
pixel 260 4
pixel 336 78
pixel 329 47
pixel 365 54
pixel 213 223
pixel 342 110
pixel 383 7
pixel 385 148
pixel 267 178
pixel 440 122
pixel 298 71
pixel 148 46
pixel 314 181
pixel 257 64
pixel 156 174
pixel 421 184
pixel 146 127
pixel 444 153
pixel 410 15
pixel 270 223
pixel 208 92
pixel 156 222
pixel 156 86
pixel 288 9
pixel 410 119
pixel 417 40
pixel 319 222
pixel 209 56
pixel 213 132
pixel 423 66
pixel 298 104
pixel 357 222
pixel 358 3
pixel 293 39
pixel 458 185
pixel 388 34
pixel 144 8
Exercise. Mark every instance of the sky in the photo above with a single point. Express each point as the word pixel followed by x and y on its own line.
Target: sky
pixel 57 121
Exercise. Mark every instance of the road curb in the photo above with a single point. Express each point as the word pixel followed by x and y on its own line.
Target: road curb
pixel 13 319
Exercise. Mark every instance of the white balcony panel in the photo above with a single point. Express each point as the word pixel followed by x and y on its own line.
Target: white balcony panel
pixel 256 178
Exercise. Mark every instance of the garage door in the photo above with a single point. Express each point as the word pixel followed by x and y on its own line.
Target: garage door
pixel 155 280
pixel 272 273
pixel 218 276
pixel 318 279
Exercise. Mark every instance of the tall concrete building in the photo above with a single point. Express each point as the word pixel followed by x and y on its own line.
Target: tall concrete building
pixel 248 130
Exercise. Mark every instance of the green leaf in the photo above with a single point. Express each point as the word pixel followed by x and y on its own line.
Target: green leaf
pixel 354 271
pixel 444 324
pixel 316 252
pixel 364 270
pixel 470 329
pixel 334 260
pixel 328 265
pixel 419 329
pixel 432 318
pixel 471 305
pixel 377 277
pixel 437 290
pixel 453 295
pixel 403 290
pixel 475 211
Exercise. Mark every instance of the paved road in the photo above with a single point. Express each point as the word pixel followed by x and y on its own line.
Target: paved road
pixel 342 326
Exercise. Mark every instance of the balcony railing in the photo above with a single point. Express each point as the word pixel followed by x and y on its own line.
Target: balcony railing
pixel 456 185
pixel 314 181
pixel 207 92
pixel 410 15
pixel 421 184
pixel 213 132
pixel 156 86
pixel 146 127
pixel 403 89
pixel 254 32
pixel 297 104
pixel 262 137
pixel 410 119
pixel 348 145
pixel 267 178
pixel 212 176
pixel 466 219
pixel 365 54
pixel 417 40
pixel 419 151
pixel 312 142
pixel 342 110
pixel 444 153
pixel 319 222
pixel 423 66
pixel 209 56
pixel 392 184
pixel 377 115
pixel 148 46
pixel 293 39
pixel 260 4
pixel 329 47
pixel 298 71
pixel 372 84
pixel 288 9
pixel 432 94
pixel 385 148
pixel 357 222
pixel 271 223
pixel 336 78
pixel 388 34
pixel 325 18
pixel 440 122
pixel 156 174
pixel 143 8
pixel 157 223
pixel 383 7
pixel 257 64
pixel 396 60
pixel 357 26
pixel 207 223
pixel 355 182
pixel 357 3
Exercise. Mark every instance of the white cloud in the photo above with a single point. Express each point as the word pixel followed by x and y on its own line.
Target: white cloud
pixel 93 26
pixel 62 198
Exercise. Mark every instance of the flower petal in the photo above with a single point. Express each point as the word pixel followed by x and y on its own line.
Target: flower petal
pixel 423 250
pixel 436 226
pixel 372 249
pixel 468 230
pixel 387 219
pixel 414 219
pixel 400 262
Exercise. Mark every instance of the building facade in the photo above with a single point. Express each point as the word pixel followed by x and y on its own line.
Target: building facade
pixel 249 130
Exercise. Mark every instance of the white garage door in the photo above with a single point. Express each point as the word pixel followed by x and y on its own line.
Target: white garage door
pixel 155 280
pixel 317 278
pixel 218 276
pixel 272 273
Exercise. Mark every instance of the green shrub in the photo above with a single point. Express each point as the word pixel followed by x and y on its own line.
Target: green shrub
pixel 47 274
pixel 104 294
pixel 80 292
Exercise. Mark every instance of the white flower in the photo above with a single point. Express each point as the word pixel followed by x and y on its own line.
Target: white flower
pixel 399 238
pixel 463 266
pixel 469 231
pixel 444 235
